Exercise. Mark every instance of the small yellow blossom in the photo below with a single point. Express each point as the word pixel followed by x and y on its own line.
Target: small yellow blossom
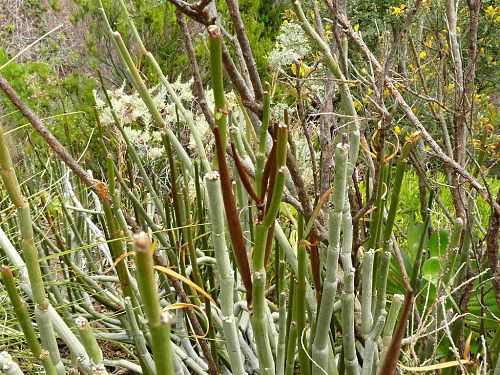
pixel 481 50
pixel 422 55
pixel 369 92
pixel 397 11
pixel 414 110
pixel 397 130
pixel 356 27
pixel 477 97
pixel 429 42
pixel 357 105
pixel 387 93
pixel 435 106
pixel 450 86
pixel 303 70
pixel 491 11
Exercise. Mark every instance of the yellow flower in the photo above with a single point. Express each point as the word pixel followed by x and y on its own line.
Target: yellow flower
pixel 387 93
pixel 369 92
pixel 357 105
pixel 435 106
pixel 397 130
pixel 414 110
pixel 491 12
pixel 397 11
pixel 429 42
pixel 450 86
pixel 303 70
pixel 477 97
pixel 422 55
pixel 481 50
pixel 356 27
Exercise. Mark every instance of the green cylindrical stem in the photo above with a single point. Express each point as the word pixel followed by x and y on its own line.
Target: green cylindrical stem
pixel 261 152
pixel 22 314
pixel 279 183
pixel 367 294
pixel 381 285
pixel 370 345
pixel 348 297
pixel 159 323
pixel 145 359
pixel 30 253
pixel 396 190
pixel 88 340
pixel 282 299
pixel 226 273
pixel 300 302
pixel 349 343
pixel 216 70
pixel 259 316
pixel 320 343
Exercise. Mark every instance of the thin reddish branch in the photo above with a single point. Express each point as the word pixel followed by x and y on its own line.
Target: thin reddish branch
pixel 243 175
pixel 233 223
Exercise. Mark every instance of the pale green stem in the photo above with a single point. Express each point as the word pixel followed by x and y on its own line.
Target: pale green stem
pixel 367 291
pixel 30 253
pixel 88 340
pixel 215 206
pixel 397 302
pixel 348 297
pixel 321 338
pixel 8 366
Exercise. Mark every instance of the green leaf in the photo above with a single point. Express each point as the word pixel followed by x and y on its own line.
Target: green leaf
pixel 432 268
pixel 438 243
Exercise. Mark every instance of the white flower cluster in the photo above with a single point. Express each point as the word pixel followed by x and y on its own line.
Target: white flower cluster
pixel 291 46
pixel 137 121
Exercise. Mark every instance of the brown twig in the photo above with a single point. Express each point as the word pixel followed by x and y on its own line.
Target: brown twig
pixel 233 223
pixel 199 91
pixel 239 28
pixel 243 175
pixel 391 359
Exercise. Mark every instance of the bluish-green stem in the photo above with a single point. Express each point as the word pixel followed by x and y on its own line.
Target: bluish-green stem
pixel 259 318
pixel 282 299
pixel 367 293
pixel 215 207
pixel 321 337
pixel 30 253
pixel 300 302
pixel 349 344
pixel 21 311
